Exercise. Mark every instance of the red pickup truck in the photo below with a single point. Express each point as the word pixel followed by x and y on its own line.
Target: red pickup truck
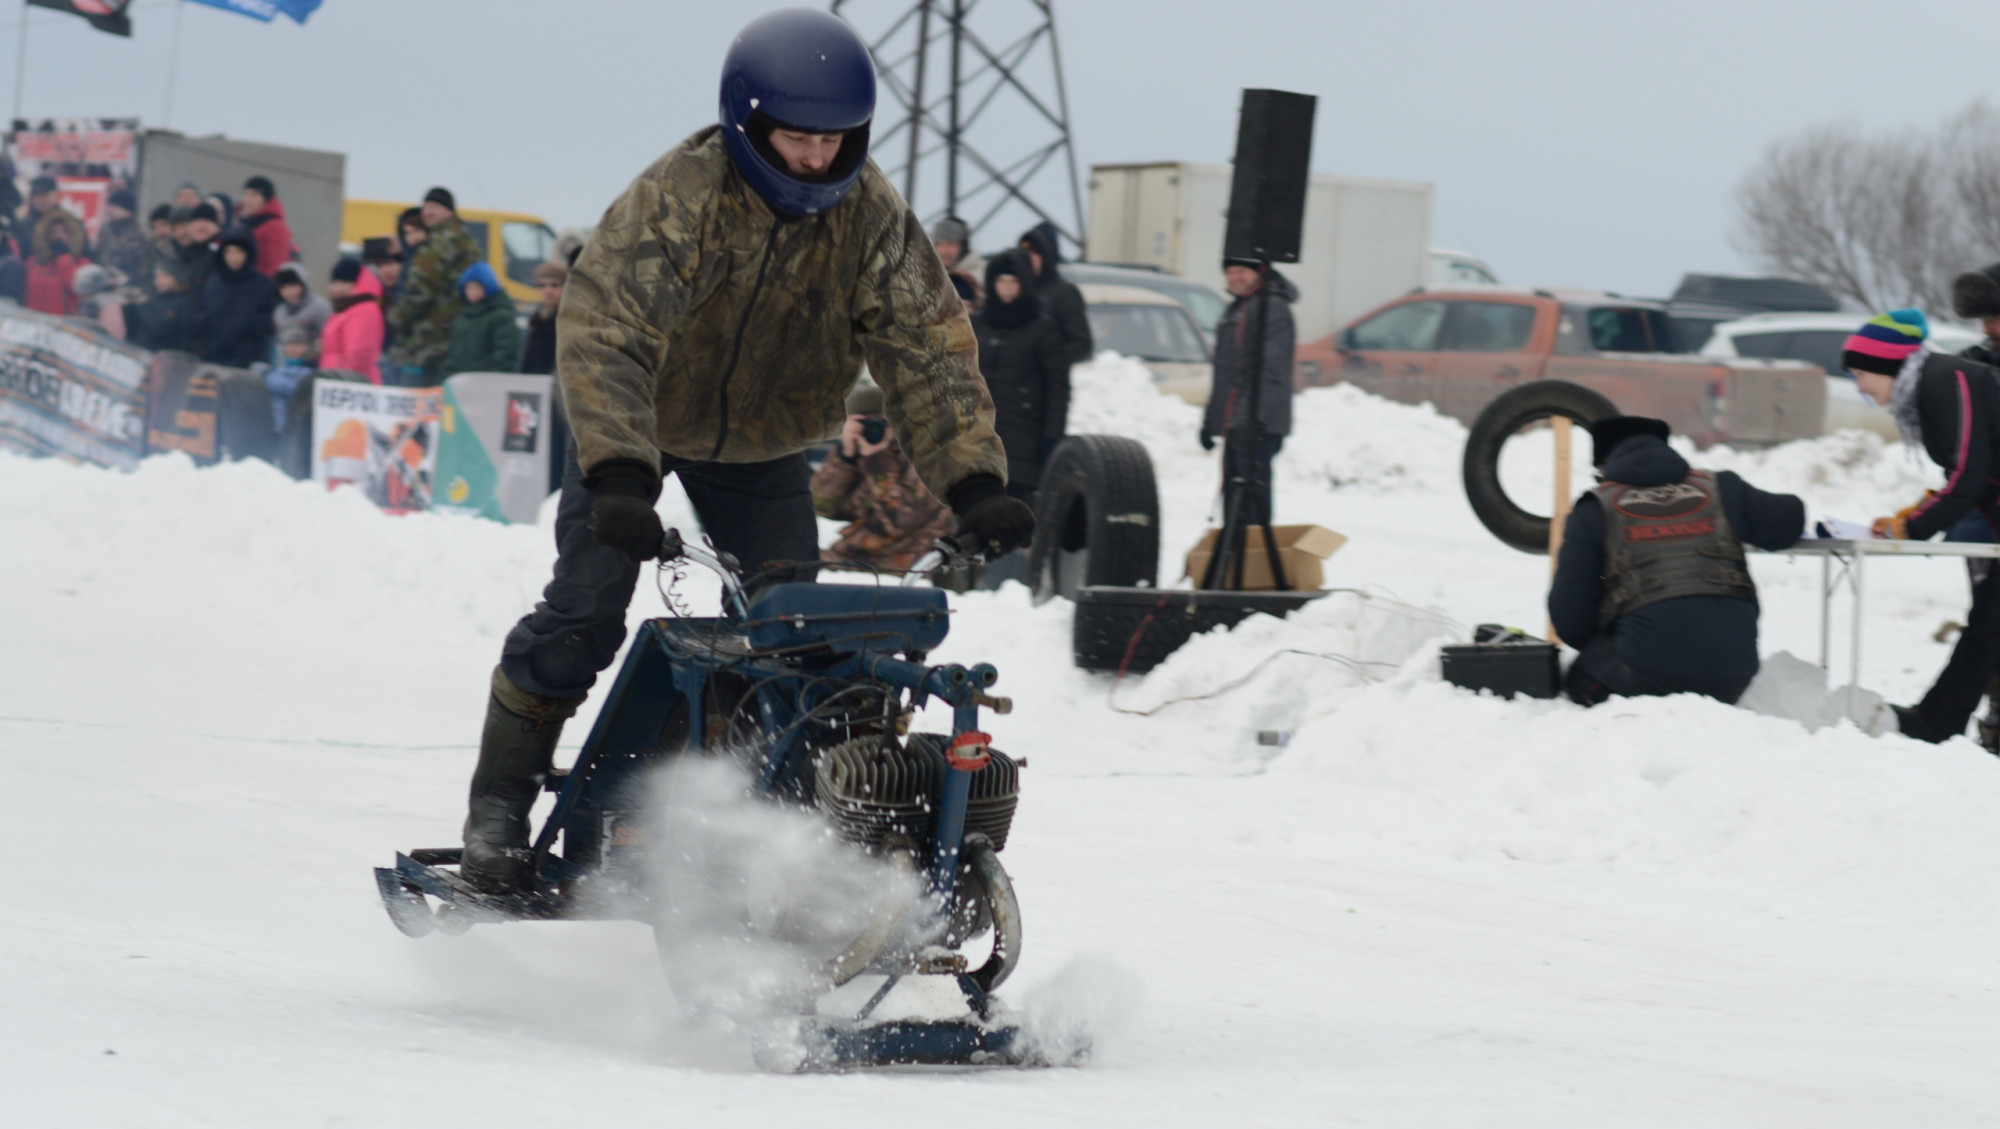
pixel 1458 349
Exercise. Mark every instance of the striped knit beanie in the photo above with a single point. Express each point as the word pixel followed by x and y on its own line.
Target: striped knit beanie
pixel 1885 342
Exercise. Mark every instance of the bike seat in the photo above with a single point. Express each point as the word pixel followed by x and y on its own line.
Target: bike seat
pixel 847 617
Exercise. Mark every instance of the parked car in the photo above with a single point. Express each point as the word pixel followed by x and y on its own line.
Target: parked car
pixel 1817 339
pixel 1154 328
pixel 1459 348
pixel 1457 268
pixel 1202 302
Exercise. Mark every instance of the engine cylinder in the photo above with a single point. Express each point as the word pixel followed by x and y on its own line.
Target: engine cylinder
pixel 871 788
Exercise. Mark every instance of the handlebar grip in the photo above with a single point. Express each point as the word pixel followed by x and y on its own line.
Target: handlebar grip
pixel 672 548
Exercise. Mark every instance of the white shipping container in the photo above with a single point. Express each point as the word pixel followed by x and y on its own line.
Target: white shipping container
pixel 1365 241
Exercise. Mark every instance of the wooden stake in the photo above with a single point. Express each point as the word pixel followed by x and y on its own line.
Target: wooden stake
pixel 1561 425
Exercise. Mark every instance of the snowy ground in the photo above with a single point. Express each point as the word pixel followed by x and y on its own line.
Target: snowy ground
pixel 225 696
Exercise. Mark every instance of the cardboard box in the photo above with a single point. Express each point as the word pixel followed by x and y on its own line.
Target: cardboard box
pixel 1301 548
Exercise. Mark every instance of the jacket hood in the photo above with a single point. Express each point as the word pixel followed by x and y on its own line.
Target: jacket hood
pixel 237 237
pixel 57 225
pixel 369 283
pixel 1644 460
pixel 481 273
pixel 1037 240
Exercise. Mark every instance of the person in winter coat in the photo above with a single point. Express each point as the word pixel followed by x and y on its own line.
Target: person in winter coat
pixel 1651 587
pixel 953 239
pixel 1950 407
pixel 236 306
pixel 13 274
pixel 171 318
pixel 57 251
pixel 422 318
pixel 871 485
pixel 712 330
pixel 264 214
pixel 97 299
pixel 299 306
pixel 539 353
pixel 195 233
pixel 484 336
pixel 352 341
pixel 121 244
pixel 1022 357
pixel 1248 448
pixel 1060 298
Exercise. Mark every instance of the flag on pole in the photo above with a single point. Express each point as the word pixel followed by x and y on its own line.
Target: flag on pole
pixel 104 15
pixel 265 10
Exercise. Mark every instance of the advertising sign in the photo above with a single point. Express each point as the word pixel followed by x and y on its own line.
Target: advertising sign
pixel 382 441
pixel 70 391
pixel 493 456
pixel 90 158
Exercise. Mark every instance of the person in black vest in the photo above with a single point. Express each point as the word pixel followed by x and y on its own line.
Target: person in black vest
pixel 1651 587
pixel 1950 407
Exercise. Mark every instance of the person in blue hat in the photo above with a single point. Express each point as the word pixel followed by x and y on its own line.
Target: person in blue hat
pixel 712 330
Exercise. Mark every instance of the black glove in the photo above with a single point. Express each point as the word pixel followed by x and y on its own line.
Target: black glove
pixel 989 518
pixel 621 511
pixel 1207 440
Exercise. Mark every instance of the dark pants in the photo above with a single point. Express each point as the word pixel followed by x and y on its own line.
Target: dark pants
pixel 1598 673
pixel 1944 711
pixel 1239 461
pixel 760 513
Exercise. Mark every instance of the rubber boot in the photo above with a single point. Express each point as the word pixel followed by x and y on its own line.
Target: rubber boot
pixel 1989 726
pixel 515 752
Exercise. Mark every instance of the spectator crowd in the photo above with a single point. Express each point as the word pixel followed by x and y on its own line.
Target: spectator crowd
pixel 222 279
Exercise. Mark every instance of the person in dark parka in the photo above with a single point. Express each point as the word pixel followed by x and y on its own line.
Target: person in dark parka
pixel 1949 406
pixel 484 335
pixel 1021 356
pixel 237 302
pixel 171 319
pixel 1061 300
pixel 1227 415
pixel 1651 586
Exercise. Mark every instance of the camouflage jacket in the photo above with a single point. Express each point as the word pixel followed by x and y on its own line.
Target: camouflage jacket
pixel 699 323
pixel 894 518
pixel 422 317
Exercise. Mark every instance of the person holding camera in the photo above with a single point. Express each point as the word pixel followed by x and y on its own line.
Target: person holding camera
pixel 872 485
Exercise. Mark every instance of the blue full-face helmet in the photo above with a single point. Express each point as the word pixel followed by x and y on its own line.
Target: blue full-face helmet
pixel 804 70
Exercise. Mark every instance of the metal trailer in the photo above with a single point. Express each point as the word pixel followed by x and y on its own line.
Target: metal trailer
pixel 1365 241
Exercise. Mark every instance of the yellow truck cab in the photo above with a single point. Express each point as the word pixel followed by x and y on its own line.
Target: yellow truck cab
pixel 515 242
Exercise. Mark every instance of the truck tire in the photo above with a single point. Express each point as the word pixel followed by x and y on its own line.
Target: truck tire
pixel 1097 519
pixel 1515 409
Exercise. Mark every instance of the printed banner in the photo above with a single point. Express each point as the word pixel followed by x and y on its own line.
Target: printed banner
pixel 493 456
pixel 90 158
pixel 69 391
pixel 182 414
pixel 266 10
pixel 380 440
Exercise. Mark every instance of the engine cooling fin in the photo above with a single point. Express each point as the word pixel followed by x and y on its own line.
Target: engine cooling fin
pixel 872 788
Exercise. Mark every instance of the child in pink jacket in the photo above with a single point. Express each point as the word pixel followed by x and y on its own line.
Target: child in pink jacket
pixel 352 339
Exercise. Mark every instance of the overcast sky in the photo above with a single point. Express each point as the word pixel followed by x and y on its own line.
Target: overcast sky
pixel 1571 144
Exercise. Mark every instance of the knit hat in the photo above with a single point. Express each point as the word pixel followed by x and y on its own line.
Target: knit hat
pixel 1010 262
pixel 551 274
pixel 198 212
pixel 41 186
pixel 163 212
pixel 262 186
pixel 289 275
pixel 865 400
pixel 1606 434
pixel 441 196
pixel 123 198
pixel 347 270
pixel 380 249
pixel 1976 293
pixel 293 335
pixel 1253 264
pixel 951 229
pixel 1885 342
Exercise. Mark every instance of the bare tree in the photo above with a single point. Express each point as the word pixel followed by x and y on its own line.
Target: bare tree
pixel 1884 220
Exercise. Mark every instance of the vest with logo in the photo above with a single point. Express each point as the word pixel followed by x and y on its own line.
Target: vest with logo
pixel 1665 542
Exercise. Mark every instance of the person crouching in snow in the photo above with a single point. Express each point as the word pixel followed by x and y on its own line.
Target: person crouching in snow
pixel 484 335
pixel 1950 407
pixel 872 484
pixel 1651 586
